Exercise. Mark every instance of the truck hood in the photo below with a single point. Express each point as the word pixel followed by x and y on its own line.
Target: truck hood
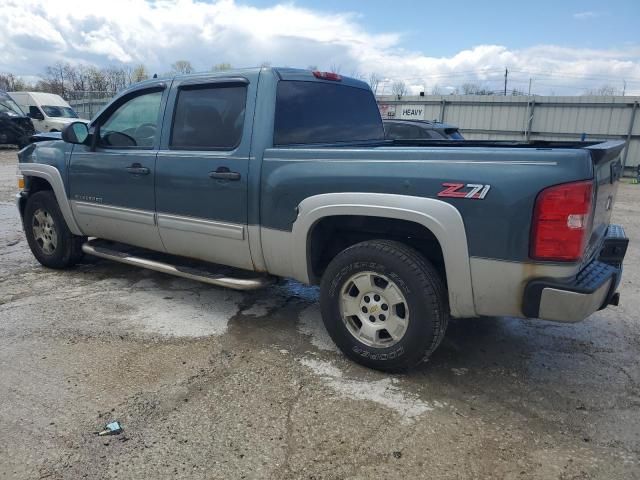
pixel 45 136
pixel 66 121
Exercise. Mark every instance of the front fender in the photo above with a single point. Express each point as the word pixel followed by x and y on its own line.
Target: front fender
pixel 52 175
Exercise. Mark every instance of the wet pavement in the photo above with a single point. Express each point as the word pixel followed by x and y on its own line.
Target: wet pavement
pixel 212 383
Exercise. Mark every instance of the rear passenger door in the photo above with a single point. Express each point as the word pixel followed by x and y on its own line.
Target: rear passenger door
pixel 202 169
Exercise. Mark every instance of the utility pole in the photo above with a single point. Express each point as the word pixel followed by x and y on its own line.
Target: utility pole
pixel 506 73
pixel 529 94
pixel 624 87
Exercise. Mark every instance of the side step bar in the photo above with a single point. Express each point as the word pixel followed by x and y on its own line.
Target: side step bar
pixel 93 248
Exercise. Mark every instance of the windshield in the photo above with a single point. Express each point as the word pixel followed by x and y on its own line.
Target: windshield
pixel 57 111
pixel 9 106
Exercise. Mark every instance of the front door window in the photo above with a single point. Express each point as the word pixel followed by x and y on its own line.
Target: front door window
pixel 134 124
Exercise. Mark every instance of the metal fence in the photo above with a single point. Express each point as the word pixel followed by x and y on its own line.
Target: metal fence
pixel 481 117
pixel 88 103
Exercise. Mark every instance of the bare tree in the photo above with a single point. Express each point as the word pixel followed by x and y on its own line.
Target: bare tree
pixel 139 73
pixel 334 68
pixel 54 78
pixel 436 90
pixel 220 67
pixel 265 64
pixel 602 91
pixel 399 89
pixel 374 82
pixel 97 80
pixel 182 67
pixel 474 89
pixel 10 83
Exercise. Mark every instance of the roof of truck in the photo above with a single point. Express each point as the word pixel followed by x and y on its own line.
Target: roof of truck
pixel 44 98
pixel 284 73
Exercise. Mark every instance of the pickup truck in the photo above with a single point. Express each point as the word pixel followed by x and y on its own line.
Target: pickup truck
pixel 281 172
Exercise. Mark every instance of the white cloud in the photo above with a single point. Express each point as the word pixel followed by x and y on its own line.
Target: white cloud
pixel 37 33
pixel 586 15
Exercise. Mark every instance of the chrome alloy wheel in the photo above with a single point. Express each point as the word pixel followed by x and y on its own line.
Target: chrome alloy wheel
pixel 44 231
pixel 374 309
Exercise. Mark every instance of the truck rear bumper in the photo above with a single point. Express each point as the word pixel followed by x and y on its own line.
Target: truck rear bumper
pixel 592 289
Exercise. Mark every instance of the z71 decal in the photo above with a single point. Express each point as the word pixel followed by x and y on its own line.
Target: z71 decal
pixel 460 190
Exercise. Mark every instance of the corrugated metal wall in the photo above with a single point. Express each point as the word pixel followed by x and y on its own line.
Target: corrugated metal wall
pixel 522 118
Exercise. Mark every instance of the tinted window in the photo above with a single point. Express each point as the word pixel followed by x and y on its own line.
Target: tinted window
pixel 315 112
pixel 395 131
pixel 134 123
pixel 58 111
pixel 209 117
pixel 402 131
pixel 454 134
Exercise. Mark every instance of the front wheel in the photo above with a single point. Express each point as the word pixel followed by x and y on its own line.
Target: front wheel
pixel 384 305
pixel 48 235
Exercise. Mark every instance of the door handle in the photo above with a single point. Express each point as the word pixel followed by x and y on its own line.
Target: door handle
pixel 137 169
pixel 223 173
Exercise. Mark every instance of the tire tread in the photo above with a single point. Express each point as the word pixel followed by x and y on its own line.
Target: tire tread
pixel 432 288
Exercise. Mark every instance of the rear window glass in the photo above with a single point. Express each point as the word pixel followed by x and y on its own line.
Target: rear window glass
pixel 209 117
pixel 315 112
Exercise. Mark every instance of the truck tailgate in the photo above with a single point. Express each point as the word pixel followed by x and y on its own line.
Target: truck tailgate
pixel 607 166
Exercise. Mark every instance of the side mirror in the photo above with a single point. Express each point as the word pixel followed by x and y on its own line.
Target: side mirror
pixel 35 114
pixel 76 132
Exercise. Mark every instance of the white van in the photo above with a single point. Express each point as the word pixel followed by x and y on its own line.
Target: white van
pixel 48 111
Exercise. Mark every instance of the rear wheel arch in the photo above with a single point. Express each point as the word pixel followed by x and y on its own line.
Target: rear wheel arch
pixel 436 217
pixel 332 234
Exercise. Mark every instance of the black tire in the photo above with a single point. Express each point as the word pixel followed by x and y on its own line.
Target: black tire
pixel 417 280
pixel 68 247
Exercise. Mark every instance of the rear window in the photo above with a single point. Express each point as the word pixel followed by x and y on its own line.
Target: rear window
pixel 454 134
pixel 209 117
pixel 317 112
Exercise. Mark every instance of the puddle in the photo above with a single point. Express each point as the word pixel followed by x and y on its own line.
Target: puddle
pixel 310 323
pixel 183 313
pixel 261 308
pixel 385 392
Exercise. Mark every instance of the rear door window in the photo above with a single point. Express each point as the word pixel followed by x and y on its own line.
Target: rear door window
pixel 319 112
pixel 209 117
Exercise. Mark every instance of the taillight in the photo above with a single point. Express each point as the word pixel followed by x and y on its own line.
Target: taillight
pixel 327 76
pixel 561 221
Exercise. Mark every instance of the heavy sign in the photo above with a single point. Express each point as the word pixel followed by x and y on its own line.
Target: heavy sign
pixel 410 112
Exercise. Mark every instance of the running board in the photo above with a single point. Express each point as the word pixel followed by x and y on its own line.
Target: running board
pixel 97 248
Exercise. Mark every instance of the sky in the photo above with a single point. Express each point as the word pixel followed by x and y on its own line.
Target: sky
pixel 566 47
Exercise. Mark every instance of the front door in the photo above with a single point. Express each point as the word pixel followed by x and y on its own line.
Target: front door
pixel 202 170
pixel 112 188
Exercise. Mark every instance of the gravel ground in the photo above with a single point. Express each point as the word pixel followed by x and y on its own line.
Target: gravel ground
pixel 211 383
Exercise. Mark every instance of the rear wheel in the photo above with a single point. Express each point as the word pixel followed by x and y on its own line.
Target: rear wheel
pixel 48 235
pixel 384 305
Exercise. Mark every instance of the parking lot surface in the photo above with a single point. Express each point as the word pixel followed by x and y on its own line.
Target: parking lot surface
pixel 213 383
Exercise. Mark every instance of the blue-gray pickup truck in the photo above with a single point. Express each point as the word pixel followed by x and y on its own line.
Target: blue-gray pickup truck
pixel 280 172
